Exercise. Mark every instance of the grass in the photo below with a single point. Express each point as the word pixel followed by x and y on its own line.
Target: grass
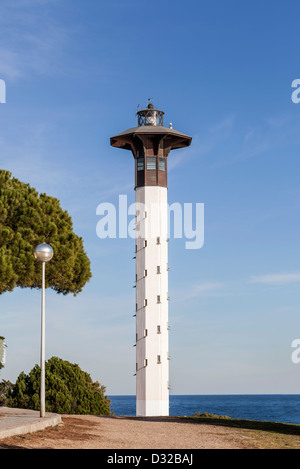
pixel 263 434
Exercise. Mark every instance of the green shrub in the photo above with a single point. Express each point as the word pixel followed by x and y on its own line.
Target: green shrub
pixel 69 390
pixel 211 416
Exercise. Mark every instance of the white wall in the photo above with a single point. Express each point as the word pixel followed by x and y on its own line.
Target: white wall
pixel 152 380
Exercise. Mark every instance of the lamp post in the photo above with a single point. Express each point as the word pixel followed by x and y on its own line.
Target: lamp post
pixel 43 253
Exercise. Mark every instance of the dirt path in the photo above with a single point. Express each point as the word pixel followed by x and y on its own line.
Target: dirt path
pixel 92 432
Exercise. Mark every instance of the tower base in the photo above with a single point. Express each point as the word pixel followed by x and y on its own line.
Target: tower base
pixel 152 408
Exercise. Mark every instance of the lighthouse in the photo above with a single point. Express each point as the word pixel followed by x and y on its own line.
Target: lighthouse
pixel 150 143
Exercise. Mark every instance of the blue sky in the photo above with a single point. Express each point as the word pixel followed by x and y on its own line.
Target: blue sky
pixel 75 72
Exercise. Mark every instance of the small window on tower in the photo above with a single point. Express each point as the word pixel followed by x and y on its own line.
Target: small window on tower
pixel 158 298
pixel 146 362
pixel 158 269
pixel 158 359
pixel 162 164
pixel 158 330
pixel 145 302
pixel 151 162
pixel 140 164
pixel 158 240
pixel 145 273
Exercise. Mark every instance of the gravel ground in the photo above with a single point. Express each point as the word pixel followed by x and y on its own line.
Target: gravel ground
pixel 93 432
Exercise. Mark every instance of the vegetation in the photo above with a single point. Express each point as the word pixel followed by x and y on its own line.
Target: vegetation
pixel 5 389
pixel 27 219
pixel 69 390
pixel 210 416
pixel 258 434
pixel 225 421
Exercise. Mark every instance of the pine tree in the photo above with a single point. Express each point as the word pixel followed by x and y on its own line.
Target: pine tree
pixel 27 219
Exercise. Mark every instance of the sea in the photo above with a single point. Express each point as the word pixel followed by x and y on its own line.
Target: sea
pixel 271 407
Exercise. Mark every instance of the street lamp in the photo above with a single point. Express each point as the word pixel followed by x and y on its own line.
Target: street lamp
pixel 43 253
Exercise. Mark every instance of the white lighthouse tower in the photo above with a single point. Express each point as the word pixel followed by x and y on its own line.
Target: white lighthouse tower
pixel 150 144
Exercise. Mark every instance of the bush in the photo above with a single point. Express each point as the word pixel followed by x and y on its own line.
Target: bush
pixel 69 390
pixel 207 415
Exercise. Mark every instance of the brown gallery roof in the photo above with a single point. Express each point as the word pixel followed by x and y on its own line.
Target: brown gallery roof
pixel 179 139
